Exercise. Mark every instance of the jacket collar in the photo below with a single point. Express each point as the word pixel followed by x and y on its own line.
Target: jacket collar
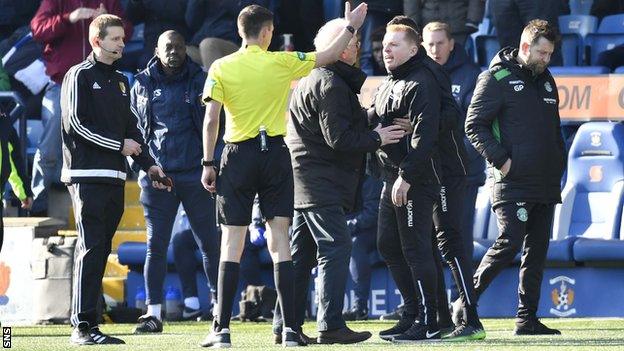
pixel 403 70
pixel 353 76
pixel 100 65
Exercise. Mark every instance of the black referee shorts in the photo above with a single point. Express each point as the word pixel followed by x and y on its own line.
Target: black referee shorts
pixel 245 171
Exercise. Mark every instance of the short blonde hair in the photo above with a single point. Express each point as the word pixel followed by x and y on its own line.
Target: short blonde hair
pixel 99 26
pixel 410 33
pixel 438 27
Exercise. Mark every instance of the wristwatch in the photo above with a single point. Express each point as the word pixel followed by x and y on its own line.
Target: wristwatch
pixel 207 163
pixel 350 29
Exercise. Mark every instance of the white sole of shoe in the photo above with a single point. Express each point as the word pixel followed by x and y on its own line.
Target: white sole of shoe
pixel 420 341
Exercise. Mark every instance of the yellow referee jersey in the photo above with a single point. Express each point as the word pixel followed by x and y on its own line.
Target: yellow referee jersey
pixel 253 85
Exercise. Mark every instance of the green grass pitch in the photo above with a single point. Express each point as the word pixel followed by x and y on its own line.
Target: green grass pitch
pixel 578 334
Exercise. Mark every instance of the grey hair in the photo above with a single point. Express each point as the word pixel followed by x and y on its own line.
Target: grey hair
pixel 328 32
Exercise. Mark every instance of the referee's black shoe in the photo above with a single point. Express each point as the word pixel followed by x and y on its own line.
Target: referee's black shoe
pixel 418 332
pixel 103 339
pixel 533 327
pixel 80 335
pixel 148 324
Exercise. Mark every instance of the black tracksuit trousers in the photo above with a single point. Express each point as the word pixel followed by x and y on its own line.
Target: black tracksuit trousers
pixel 98 209
pixel 404 242
pixel 523 226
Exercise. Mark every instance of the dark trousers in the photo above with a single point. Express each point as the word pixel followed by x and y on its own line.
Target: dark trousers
pixel 404 242
pixel 360 266
pixel 470 200
pixel 97 209
pixel 161 207
pixel 447 216
pixel 320 236
pixel 526 226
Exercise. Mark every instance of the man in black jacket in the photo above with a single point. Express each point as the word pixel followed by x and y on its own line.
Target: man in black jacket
pixel 513 121
pixel 328 137
pixel 411 172
pixel 98 132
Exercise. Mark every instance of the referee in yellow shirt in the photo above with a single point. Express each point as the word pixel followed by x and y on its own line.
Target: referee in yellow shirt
pixel 253 84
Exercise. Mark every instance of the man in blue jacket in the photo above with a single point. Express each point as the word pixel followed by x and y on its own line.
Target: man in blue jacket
pixel 166 99
pixel 441 47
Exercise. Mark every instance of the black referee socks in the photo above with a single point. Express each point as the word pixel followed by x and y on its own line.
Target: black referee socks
pixel 226 288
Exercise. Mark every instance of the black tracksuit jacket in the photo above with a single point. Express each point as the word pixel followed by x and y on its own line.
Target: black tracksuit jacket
pixel 95 105
pixel 514 114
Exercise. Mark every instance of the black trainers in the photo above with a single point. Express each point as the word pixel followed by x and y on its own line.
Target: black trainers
pixel 291 338
pixel 80 335
pixel 342 336
pixel 399 328
pixel 218 338
pixel 148 324
pixel 191 314
pixel 418 332
pixel 103 339
pixel 394 315
pixel 466 332
pixel 534 327
pixel 356 314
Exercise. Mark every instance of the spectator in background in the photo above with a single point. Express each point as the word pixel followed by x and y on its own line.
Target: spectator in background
pixel 166 101
pixel 613 58
pixel 379 13
pixel 462 16
pixel 602 8
pixel 158 16
pixel 302 18
pixel 14 14
pixel 377 47
pixel 213 23
pixel 362 224
pixel 61 27
pixel 510 17
pixel 443 49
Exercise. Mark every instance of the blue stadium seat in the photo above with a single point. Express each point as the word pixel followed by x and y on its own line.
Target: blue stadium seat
pixel 599 42
pixel 619 70
pixel 34 129
pixel 578 24
pixel 487 47
pixel 571 49
pixel 590 214
pixel 580 7
pixel 577 70
pixel 612 24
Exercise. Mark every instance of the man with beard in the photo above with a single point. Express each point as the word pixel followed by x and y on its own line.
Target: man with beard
pixel 166 99
pixel 328 138
pixel 513 121
pixel 411 171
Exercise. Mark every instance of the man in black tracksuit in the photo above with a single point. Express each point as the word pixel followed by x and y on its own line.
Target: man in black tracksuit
pixel 448 208
pixel 513 121
pixel 98 131
pixel 411 172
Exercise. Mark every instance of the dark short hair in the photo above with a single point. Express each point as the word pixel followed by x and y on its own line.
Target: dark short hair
pixel 539 28
pixel 99 26
pixel 406 21
pixel 252 18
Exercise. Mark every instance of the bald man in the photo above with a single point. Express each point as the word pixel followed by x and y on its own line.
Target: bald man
pixel 166 100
